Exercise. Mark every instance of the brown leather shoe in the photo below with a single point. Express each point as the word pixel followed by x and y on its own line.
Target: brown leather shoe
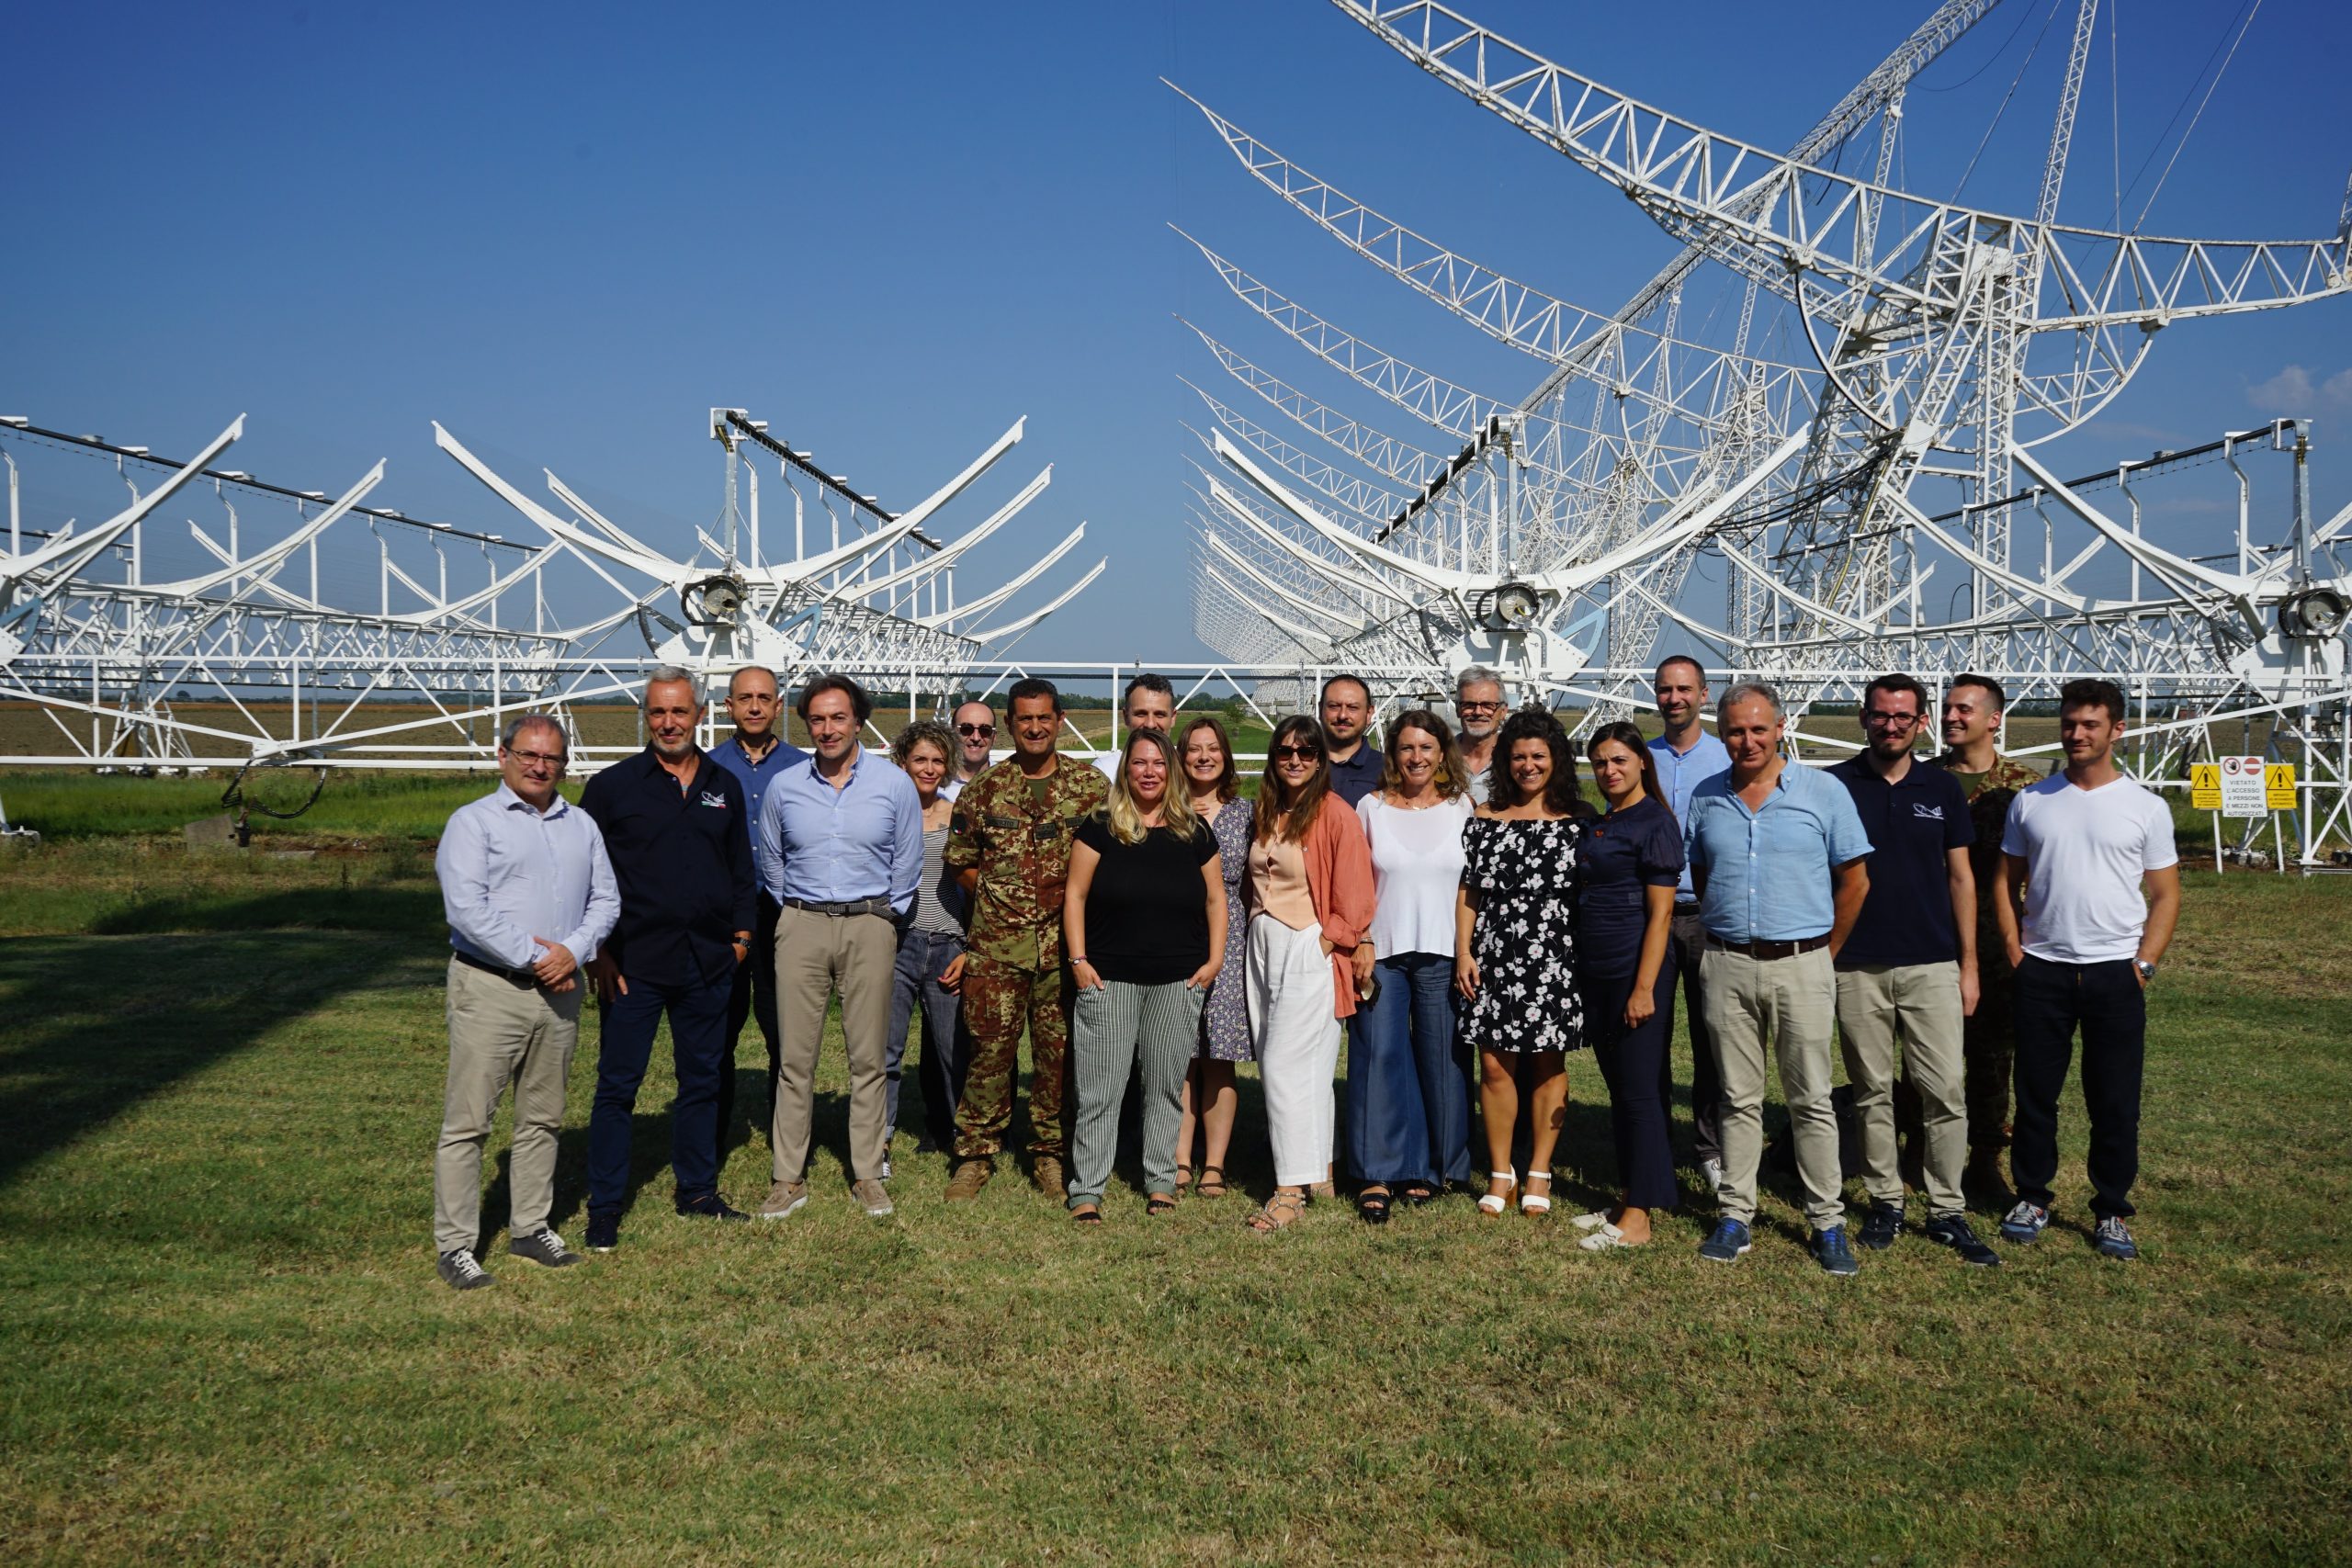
pixel 1045 1174
pixel 969 1177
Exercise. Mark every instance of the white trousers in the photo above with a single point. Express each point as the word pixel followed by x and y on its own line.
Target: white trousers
pixel 1289 980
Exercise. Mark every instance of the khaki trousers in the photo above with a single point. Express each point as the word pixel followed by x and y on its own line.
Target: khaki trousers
pixel 501 1032
pixel 1790 1004
pixel 815 956
pixel 1919 1005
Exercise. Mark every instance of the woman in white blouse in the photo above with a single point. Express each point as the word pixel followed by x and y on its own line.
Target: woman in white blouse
pixel 1409 1104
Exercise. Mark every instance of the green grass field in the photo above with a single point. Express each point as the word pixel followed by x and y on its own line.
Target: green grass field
pixel 223 1339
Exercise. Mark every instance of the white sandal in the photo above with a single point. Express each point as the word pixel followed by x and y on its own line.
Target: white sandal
pixel 1496 1202
pixel 1536 1202
pixel 1591 1222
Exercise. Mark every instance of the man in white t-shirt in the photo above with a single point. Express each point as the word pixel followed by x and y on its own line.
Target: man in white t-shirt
pixel 2079 846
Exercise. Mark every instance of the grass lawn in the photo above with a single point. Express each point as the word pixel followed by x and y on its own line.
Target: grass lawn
pixel 224 1340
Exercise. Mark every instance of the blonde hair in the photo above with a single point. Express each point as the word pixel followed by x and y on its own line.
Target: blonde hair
pixel 1175 801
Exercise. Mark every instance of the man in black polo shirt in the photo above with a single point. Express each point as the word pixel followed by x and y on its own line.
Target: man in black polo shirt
pixel 1909 971
pixel 677 829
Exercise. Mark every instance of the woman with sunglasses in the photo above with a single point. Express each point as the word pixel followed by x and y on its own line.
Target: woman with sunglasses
pixel 1408 1110
pixel 929 970
pixel 1631 860
pixel 1214 788
pixel 1310 905
pixel 1515 931
pixel 1144 915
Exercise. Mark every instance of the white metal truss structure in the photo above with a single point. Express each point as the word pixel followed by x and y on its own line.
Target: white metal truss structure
pixel 1836 391
pixel 341 641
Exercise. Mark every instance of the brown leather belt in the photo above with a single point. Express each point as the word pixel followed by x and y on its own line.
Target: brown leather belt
pixel 1772 949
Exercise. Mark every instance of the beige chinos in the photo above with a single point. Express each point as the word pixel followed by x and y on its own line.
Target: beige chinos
pixel 1918 1004
pixel 501 1032
pixel 1792 1004
pixel 816 954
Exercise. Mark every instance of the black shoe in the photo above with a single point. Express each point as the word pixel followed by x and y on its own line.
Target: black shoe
pixel 1372 1204
pixel 603 1235
pixel 1953 1231
pixel 1829 1251
pixel 460 1273
pixel 1880 1226
pixel 710 1206
pixel 544 1246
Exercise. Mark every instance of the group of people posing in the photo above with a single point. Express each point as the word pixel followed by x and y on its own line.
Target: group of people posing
pixel 1448 901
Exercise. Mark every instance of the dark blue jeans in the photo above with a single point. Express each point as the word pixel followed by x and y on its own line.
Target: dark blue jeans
pixel 946 1043
pixel 698 1014
pixel 2048 1003
pixel 1408 1109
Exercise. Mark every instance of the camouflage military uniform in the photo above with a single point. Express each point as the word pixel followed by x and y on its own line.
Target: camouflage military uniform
pixel 1987 1044
pixel 1016 833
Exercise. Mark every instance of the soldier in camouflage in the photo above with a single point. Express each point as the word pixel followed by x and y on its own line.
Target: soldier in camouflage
pixel 1009 844
pixel 1972 731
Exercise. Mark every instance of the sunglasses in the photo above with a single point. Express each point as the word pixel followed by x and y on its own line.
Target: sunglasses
pixel 976 730
pixel 1302 753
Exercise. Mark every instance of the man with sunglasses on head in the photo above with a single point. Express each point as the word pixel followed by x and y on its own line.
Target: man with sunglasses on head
pixel 1907 973
pixel 1008 846
pixel 530 898
pixel 755 754
pixel 975 734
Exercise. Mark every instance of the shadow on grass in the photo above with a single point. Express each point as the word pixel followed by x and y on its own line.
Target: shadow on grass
pixel 404 911
pixel 103 1025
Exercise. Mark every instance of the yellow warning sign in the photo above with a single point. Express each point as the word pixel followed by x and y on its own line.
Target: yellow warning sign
pixel 2278 786
pixel 2205 786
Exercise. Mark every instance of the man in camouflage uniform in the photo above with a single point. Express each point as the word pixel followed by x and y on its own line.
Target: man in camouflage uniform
pixel 1009 844
pixel 1972 731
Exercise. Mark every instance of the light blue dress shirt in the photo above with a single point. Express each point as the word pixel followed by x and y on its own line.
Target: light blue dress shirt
pixel 510 872
pixel 756 776
pixel 1680 773
pixel 1767 872
pixel 836 846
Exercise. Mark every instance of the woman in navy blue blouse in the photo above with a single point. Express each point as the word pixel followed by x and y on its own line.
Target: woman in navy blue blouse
pixel 1625 878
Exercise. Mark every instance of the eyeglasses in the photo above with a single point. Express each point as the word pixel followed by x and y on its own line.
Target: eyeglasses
pixel 537 758
pixel 1893 720
pixel 978 731
pixel 1300 753
pixel 1465 705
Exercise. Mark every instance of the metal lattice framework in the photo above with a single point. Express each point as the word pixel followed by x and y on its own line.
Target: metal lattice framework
pixel 1783 400
pixel 275 654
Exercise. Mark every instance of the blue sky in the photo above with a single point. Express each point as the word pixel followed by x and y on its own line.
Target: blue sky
pixel 891 229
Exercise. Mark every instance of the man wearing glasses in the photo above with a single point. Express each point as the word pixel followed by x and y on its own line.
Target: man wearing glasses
pixel 1909 971
pixel 1478 706
pixel 530 898
pixel 975 734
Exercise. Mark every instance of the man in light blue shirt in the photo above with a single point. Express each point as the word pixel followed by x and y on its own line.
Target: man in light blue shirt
pixel 1686 756
pixel 530 898
pixel 757 754
pixel 1776 854
pixel 839 849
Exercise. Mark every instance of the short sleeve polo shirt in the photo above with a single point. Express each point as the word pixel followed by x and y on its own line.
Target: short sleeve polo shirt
pixel 1913 823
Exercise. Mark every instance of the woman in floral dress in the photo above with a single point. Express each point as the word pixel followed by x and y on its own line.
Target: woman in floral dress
pixel 1206 754
pixel 1516 940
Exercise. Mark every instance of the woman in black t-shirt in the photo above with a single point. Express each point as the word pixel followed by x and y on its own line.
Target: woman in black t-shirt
pixel 1144 916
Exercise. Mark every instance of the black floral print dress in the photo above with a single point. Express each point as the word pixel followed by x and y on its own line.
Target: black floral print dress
pixel 1521 875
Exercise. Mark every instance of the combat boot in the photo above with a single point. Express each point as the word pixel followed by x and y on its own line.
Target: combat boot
pixel 1045 1174
pixel 969 1177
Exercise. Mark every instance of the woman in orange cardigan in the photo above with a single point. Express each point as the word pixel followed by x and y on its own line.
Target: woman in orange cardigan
pixel 1310 905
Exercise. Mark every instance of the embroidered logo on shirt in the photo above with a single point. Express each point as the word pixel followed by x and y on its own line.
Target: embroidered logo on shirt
pixel 715 798
pixel 1921 809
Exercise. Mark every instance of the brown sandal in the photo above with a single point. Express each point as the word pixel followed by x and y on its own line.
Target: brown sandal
pixel 1184 1179
pixel 1280 1210
pixel 1211 1183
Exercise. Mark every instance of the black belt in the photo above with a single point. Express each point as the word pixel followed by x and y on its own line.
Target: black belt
pixel 854 907
pixel 512 977
pixel 1686 906
pixel 1772 949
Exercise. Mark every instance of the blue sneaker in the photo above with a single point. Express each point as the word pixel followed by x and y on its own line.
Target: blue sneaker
pixel 2114 1241
pixel 1829 1251
pixel 1725 1245
pixel 2024 1223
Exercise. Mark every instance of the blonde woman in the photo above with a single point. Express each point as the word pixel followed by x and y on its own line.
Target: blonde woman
pixel 1143 915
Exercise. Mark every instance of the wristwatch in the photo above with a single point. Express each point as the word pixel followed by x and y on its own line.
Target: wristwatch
pixel 2147 970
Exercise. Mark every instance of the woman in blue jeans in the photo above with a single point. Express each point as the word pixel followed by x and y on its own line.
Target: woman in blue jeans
pixel 1408 1107
pixel 930 951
